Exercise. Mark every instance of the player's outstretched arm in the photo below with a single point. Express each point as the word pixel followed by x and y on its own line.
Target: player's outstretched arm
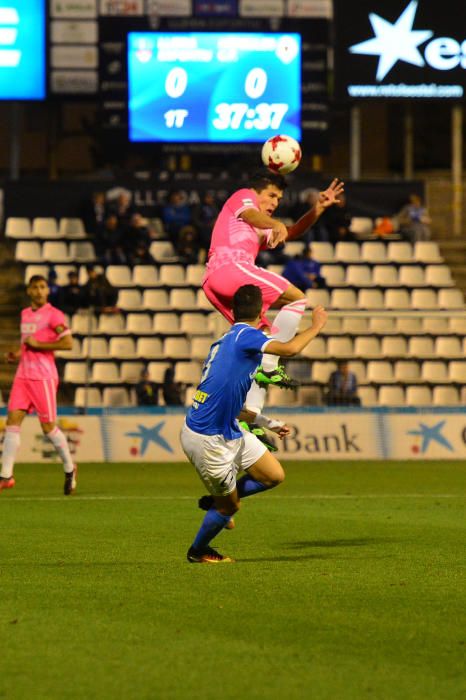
pixel 327 198
pixel 299 342
pixel 64 343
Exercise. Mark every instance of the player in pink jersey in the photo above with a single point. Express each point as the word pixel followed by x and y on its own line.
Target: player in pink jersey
pixel 245 226
pixel 43 330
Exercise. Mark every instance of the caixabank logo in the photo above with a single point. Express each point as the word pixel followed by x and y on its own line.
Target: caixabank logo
pixel 22 49
pixel 387 49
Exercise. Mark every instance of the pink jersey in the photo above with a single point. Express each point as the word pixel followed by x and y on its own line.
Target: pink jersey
pixel 41 324
pixel 234 240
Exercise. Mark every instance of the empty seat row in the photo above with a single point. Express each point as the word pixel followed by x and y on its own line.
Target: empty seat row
pixel 44 227
pixel 401 371
pixel 54 252
pixel 371 251
pixel 389 299
pixel 383 324
pixel 128 372
pixel 122 347
pixel 387 276
pixel 84 323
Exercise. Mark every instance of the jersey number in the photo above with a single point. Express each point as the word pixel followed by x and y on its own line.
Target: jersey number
pixel 208 364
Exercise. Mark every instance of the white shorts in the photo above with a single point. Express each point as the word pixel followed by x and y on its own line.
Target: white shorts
pixel 218 460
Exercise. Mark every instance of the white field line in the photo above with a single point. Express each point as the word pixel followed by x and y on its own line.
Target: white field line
pixel 307 497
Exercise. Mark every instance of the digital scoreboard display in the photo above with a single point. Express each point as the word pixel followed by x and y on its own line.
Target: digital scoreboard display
pixel 213 87
pixel 22 50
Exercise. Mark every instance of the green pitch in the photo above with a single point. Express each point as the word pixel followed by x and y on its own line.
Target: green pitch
pixel 349 583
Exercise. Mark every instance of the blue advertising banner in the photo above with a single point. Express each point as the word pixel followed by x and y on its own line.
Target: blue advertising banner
pixel 22 50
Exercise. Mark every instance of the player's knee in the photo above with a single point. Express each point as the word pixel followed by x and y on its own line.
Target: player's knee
pixel 275 479
pixel 230 508
pixel 47 427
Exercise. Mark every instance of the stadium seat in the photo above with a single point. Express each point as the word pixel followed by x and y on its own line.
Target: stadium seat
pixel 427 252
pixel 367 347
pixel 316 349
pixel 139 324
pixel 83 274
pixel 457 371
pixel 353 325
pixel 309 396
pixel 217 325
pixel 424 299
pixel 438 276
pixel 202 303
pixel 434 372
pixel 111 324
pixel 368 396
pixel 157 371
pixel 411 276
pixel 370 299
pixel 294 248
pixel 400 252
pixel 175 348
pixel 385 276
pixel 188 372
pixel 358 367
pixel 361 225
pixel 409 325
pixel 450 299
pixel 31 270
pixel 340 298
pixel 334 275
pixel 397 299
pixel 323 251
pixel 394 346
pixel 448 346
pixel 157 224
pixel 277 269
pixel 28 252
pixel 382 325
pixel 457 325
pixel 87 396
pixel 149 348
pixel 75 372
pixel 18 227
pixel 278 397
pixel 181 299
pixel 162 250
pixel 194 275
pixel 435 325
pixel 200 348
pixel 129 299
pixel 166 324
pixel 358 276
pixel 121 347
pixel 45 227
pixel 82 251
pixel 373 252
pixel 84 322
pixel 321 371
pixel 130 372
pixel 145 276
pixel 62 273
pixel 339 346
pixel 418 396
pixel 71 228
pixel 172 276
pixel 95 347
pixel 332 327
pixel 119 275
pixel 155 299
pixel 317 296
pixel 194 324
pixel 105 373
pixel 346 251
pixel 391 396
pixel 115 396
pixel 55 252
pixel 407 371
pixel 74 354
pixel 445 396
pixel 379 372
pixel 421 346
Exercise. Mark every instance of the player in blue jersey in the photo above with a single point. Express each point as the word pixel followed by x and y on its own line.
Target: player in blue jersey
pixel 211 436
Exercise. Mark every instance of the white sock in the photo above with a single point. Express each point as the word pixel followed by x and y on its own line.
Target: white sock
pixel 255 398
pixel 60 443
pixel 10 448
pixel 284 329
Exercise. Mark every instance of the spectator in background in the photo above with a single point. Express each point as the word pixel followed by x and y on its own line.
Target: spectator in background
pixel 71 297
pixel 187 247
pixel 304 272
pixel 337 221
pixel 146 390
pixel 204 216
pixel 94 213
pixel 98 292
pixel 140 256
pixel 342 387
pixel 54 288
pixel 176 214
pixel 109 242
pixel 122 208
pixel 138 233
pixel 414 220
pixel 173 392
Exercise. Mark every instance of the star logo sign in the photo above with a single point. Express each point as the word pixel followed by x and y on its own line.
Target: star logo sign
pixel 430 434
pixel 148 435
pixel 394 42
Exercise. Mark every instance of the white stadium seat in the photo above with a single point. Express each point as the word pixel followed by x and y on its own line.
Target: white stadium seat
pixel 117 396
pixel 358 367
pixel 450 299
pixel 333 326
pixel 347 251
pixel 149 348
pixel 334 275
pixel 382 325
pixel 457 325
pixel 202 303
pixel 111 324
pixel 31 270
pixel 172 276
pixel 95 347
pixel 361 225
pixel 457 371
pixel 193 323
pixel 427 252
pixel 438 276
pixel 407 371
pixel 448 346
pixel 182 299
pixel 435 325
pixel 129 299
pixel 367 347
pixel 370 299
pixel 194 275
pixel 294 248
pixel 316 349
pixel 145 276
pixel 368 395
pixel 87 396
pixel 358 276
pixel 391 396
pixel 62 273
pixel 445 396
pixel 175 348
pixel 421 346
pixel 373 252
pixel 379 372
pixel 400 252
pixel 82 251
pixel 28 252
pixel 424 299
pixel 18 227
pixel 418 396
pixel 188 372
pixel 139 324
pixel 75 372
pixel 119 275
pixel 130 372
pixel 340 298
pixel 157 371
pixel 162 250
pixel 71 228
pixel 166 324
pixel 155 299
pixel 321 371
pixel 397 299
pixel 409 325
pixel 74 354
pixel 385 276
pixel 411 276
pixel 200 348
pixel 353 325
pixel 434 372
pixel 317 296
pixel 105 373
pixel 121 347
pixel 323 251
pixel 55 251
pixel 394 346
pixel 84 322
pixel 340 346
pixel 45 227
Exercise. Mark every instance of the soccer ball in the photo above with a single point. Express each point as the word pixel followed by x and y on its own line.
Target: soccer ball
pixel 281 154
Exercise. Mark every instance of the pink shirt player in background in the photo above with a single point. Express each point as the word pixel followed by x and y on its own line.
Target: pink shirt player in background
pixel 43 330
pixel 245 226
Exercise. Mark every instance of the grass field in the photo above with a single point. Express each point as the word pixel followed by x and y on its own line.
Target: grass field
pixel 350 583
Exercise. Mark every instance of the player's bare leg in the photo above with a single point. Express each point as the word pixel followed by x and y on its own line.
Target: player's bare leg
pixel 11 445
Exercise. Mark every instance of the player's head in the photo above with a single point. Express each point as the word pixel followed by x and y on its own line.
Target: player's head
pixel 269 187
pixel 38 290
pixel 247 303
